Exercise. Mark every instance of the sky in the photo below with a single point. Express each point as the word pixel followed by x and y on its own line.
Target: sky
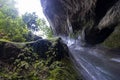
pixel 29 6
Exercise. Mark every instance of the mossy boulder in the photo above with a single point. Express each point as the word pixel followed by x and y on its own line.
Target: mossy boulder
pixel 41 47
pixel 8 50
pixel 25 61
pixel 45 48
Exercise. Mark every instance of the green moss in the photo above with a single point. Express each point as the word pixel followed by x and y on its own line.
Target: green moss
pixel 62 71
pixel 53 39
pixel 29 66
pixel 4 40
pixel 114 39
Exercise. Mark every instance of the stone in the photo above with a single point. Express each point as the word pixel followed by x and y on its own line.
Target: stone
pixel 41 47
pixel 71 16
pixel 8 50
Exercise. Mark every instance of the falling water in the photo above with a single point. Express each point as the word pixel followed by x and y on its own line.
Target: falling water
pixel 94 63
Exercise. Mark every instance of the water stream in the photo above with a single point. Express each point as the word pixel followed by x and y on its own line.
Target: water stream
pixel 95 63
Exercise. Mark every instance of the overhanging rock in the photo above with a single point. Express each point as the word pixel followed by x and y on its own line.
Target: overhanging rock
pixel 70 16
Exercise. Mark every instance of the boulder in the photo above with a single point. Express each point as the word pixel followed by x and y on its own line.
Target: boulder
pixel 41 47
pixel 46 48
pixel 8 51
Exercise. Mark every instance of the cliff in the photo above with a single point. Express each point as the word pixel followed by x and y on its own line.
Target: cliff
pixel 96 19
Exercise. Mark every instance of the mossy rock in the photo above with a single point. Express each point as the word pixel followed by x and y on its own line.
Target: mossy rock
pixel 28 65
pixel 113 41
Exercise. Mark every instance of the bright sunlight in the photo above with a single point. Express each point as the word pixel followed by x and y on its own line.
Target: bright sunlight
pixel 29 6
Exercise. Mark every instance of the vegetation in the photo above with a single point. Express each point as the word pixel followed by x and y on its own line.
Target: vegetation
pixel 35 24
pixel 11 25
pixel 113 40
pixel 16 28
pixel 19 61
pixel 28 65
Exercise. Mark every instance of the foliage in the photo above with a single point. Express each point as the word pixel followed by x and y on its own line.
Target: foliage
pixel 31 20
pixel 62 71
pixel 15 28
pixel 37 25
pixel 29 66
pixel 46 29
pixel 11 25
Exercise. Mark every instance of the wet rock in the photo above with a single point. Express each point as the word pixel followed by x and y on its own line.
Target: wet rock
pixel 8 50
pixel 95 36
pixel 71 16
pixel 60 49
pixel 41 47
pixel 46 48
pixel 1 49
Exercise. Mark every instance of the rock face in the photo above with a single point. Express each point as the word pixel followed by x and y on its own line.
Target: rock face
pixel 95 18
pixel 8 51
pixel 46 48
pixel 42 47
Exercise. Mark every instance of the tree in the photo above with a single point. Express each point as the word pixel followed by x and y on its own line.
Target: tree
pixel 37 25
pixel 31 20
pixel 46 29
pixel 11 25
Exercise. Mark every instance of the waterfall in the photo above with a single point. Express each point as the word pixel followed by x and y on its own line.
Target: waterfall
pixel 94 63
pixel 69 26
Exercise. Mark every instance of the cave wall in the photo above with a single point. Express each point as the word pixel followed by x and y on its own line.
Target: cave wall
pixel 95 18
pixel 62 14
